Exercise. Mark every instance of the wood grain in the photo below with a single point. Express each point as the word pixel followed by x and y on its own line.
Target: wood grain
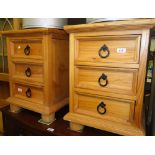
pixel 37 93
pixel 38 31
pixel 48 60
pixel 139 116
pixel 120 81
pixel 36 72
pixel 136 24
pixel 88 48
pixel 18 46
pixel 127 70
pixel 114 127
pixel 116 110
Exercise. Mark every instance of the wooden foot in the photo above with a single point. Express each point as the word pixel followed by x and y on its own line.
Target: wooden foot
pixel 48 118
pixel 14 108
pixel 76 127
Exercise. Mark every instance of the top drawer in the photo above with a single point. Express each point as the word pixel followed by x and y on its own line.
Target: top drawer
pixel 26 48
pixel 108 49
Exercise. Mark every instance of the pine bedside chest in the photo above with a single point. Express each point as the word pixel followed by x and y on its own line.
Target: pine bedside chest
pixel 38 70
pixel 107 75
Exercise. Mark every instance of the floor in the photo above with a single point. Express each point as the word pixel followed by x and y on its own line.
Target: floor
pixel 25 123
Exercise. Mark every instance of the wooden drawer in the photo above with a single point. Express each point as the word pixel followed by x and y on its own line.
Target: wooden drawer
pixel 27 48
pixel 116 80
pixel 28 72
pixel 104 108
pixel 29 93
pixel 108 49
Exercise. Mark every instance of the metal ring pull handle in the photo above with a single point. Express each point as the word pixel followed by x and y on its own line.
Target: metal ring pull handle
pixel 103 77
pixel 101 108
pixel 104 48
pixel 27 50
pixel 28 93
pixel 28 72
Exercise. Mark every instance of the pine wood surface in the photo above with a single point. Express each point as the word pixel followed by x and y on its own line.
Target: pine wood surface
pixel 120 80
pixel 88 48
pixel 86 65
pixel 48 62
pixel 36 72
pixel 136 24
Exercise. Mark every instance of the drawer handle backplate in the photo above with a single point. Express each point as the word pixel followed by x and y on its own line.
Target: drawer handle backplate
pixel 104 48
pixel 28 93
pixel 101 108
pixel 27 50
pixel 103 77
pixel 28 72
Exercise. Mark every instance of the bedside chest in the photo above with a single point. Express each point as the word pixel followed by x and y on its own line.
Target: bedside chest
pixel 38 70
pixel 107 75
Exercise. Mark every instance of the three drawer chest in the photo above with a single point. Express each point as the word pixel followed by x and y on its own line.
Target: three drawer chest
pixel 38 70
pixel 107 75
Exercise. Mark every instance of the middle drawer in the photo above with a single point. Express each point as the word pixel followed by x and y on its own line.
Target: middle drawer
pixel 116 80
pixel 30 72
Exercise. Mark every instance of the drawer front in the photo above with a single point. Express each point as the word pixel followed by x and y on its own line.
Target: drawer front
pixel 104 108
pixel 28 93
pixel 30 72
pixel 27 48
pixel 116 80
pixel 108 49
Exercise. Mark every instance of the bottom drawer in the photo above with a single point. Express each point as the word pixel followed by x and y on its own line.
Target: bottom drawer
pixel 29 93
pixel 105 108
